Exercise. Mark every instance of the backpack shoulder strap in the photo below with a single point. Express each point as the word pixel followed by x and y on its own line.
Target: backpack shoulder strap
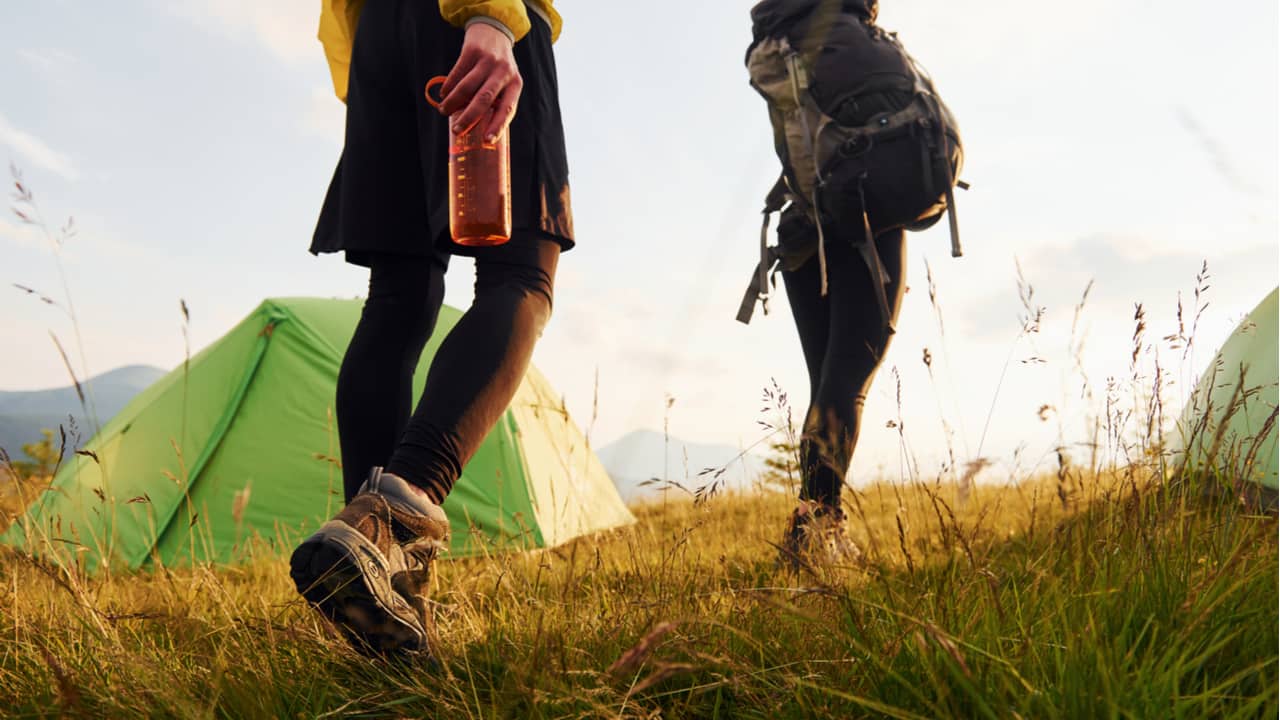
pixel 799 76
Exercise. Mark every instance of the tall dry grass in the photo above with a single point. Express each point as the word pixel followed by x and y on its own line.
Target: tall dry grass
pixel 1095 600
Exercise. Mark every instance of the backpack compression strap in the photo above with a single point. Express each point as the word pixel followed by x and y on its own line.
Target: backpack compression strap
pixel 871 256
pixel 924 89
pixel 758 289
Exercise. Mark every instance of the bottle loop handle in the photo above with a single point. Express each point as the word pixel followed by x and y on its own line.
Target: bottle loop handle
pixel 434 82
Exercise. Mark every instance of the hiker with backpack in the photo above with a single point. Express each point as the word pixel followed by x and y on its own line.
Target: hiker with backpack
pixel 388 208
pixel 868 152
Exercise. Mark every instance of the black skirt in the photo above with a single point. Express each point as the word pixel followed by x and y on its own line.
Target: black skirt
pixel 389 194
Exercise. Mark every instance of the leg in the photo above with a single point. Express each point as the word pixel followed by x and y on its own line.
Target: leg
pixel 856 344
pixel 812 314
pixel 375 391
pixel 480 364
pixel 352 569
pixel 332 569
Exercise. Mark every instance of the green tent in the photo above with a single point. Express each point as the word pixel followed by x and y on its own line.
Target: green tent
pixel 1229 423
pixel 237 452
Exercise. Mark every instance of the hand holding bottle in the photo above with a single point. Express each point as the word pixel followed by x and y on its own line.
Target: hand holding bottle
pixel 485 83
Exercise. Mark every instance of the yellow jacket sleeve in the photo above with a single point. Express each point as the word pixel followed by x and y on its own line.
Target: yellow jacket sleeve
pixel 338 19
pixel 510 13
pixel 337 34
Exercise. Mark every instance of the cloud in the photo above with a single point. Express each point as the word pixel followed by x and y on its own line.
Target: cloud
pixel 1124 270
pixel 36 151
pixel 1220 157
pixel 662 362
pixel 325 115
pixel 21 235
pixel 46 59
pixel 95 239
pixel 91 242
pixel 286 28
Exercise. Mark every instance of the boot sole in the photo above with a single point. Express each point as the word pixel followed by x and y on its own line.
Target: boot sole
pixel 348 580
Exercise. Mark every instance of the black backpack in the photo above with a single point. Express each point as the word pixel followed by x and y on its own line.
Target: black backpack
pixel 866 144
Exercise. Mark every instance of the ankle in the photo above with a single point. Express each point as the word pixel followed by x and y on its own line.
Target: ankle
pixel 389 483
pixel 823 507
pixel 428 493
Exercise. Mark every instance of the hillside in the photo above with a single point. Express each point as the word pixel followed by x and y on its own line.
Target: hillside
pixel 23 414
pixel 643 455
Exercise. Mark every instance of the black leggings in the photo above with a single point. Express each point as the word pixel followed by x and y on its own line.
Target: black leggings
pixel 844 340
pixel 473 376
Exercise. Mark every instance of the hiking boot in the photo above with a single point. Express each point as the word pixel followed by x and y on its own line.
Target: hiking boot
pixel 366 570
pixel 815 534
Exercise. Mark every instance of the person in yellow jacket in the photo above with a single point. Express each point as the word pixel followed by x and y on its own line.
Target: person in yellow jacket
pixel 387 210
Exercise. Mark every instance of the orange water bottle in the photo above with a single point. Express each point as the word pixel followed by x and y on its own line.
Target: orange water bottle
pixel 479 183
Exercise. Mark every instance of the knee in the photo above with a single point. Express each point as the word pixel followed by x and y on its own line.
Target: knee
pixel 535 304
pixel 403 303
pixel 402 327
pixel 526 291
pixel 833 408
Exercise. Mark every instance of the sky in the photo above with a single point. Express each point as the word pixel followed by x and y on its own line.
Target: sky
pixel 1121 143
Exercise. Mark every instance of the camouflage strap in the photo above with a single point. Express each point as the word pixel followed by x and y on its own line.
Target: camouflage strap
pixel 800 83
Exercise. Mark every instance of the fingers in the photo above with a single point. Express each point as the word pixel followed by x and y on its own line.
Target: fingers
pixel 482 102
pixel 463 81
pixel 460 68
pixel 504 108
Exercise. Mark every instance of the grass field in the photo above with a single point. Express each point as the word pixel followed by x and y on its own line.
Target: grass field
pixel 1088 593
pixel 1075 597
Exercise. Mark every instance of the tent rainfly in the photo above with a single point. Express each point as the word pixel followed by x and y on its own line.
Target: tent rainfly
pixel 1229 424
pixel 240 445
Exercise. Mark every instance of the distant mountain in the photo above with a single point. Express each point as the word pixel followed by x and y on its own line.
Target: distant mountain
pixel 645 454
pixel 24 413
